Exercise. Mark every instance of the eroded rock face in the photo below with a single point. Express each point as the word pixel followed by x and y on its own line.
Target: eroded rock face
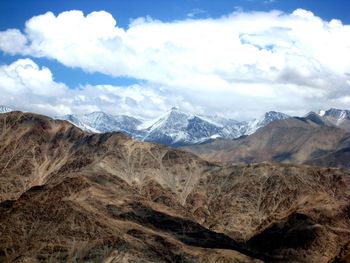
pixel 69 196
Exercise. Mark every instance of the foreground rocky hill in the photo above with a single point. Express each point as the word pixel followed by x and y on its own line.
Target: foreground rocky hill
pixel 68 196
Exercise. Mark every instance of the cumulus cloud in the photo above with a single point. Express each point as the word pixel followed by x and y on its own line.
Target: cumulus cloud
pixel 26 86
pixel 255 60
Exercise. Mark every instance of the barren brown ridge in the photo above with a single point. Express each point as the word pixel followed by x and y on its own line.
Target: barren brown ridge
pixel 69 196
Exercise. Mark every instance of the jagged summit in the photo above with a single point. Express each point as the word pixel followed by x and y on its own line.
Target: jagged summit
pixel 264 120
pixel 102 122
pixel 313 117
pixel 180 128
pixel 337 113
pixel 337 117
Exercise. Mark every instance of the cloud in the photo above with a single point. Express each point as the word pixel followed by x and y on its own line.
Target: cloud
pixel 240 64
pixel 12 41
pixel 196 12
pixel 269 1
pixel 26 86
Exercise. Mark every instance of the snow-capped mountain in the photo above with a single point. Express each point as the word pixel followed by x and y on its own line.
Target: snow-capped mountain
pixel 179 128
pixel 76 120
pixel 176 128
pixel 103 122
pixel 234 128
pixel 268 117
pixel 337 117
pixel 4 109
pixel 337 114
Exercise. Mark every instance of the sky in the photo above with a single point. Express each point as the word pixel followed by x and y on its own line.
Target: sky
pixel 237 59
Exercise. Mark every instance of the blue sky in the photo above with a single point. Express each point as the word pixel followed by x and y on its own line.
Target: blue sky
pixel 14 15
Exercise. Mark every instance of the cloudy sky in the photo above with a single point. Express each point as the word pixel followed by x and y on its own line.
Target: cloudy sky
pixel 233 58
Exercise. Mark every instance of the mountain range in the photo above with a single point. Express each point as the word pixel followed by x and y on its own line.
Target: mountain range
pixel 67 195
pixel 314 139
pixel 177 128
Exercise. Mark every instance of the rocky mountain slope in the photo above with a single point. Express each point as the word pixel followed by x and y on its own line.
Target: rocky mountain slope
pixel 71 196
pixel 295 140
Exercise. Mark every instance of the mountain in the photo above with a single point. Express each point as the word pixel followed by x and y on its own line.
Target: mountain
pixel 339 118
pixel 267 118
pixel 102 122
pixel 71 196
pixel 293 140
pixel 175 128
pixel 77 121
pixel 178 128
pixel 4 109
pixel 315 119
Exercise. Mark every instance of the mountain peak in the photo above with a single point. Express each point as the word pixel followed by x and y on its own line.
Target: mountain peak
pixel 311 113
pixel 271 116
pixel 315 118
pixel 337 113
pixel 276 115
pixel 267 118
pixel 175 111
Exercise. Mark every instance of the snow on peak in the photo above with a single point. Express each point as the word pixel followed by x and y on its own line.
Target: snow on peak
pixel 337 114
pixel 103 122
pixel 264 120
pixel 178 128
pixel 4 109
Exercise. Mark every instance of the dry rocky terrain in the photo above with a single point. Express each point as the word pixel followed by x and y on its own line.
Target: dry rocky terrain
pixel 70 196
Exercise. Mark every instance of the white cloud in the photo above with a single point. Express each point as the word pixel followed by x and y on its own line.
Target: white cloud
pixel 12 41
pixel 255 60
pixel 269 1
pixel 196 12
pixel 26 86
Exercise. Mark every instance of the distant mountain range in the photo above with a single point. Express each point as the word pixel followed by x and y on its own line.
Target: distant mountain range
pixel 317 139
pixel 177 128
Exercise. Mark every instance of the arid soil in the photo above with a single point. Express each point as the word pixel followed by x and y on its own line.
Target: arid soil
pixel 69 196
